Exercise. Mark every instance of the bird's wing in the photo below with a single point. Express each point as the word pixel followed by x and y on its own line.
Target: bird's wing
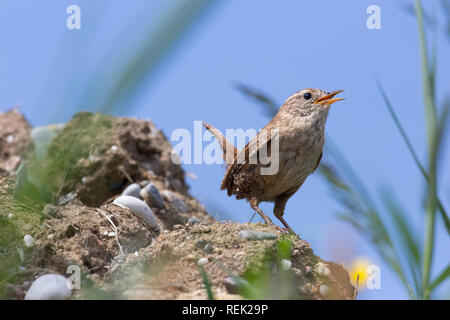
pixel 242 161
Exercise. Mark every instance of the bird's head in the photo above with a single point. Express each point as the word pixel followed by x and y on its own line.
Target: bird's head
pixel 307 101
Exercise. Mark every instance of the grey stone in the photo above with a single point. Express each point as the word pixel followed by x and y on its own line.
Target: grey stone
pixel 192 221
pixel 208 248
pixel 49 287
pixel 152 195
pixel 132 190
pixel 67 198
pixel 138 207
pixel 234 285
pixel 256 235
pixel 28 241
pixel 50 210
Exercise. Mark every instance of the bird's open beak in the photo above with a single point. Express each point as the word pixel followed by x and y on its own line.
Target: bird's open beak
pixel 327 100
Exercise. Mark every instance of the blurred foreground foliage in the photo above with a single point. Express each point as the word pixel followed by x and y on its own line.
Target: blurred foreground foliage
pixel 265 278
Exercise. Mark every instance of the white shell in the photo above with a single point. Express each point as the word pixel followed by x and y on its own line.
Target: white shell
pixel 28 240
pixel 49 287
pixel 202 262
pixel 138 207
pixel 285 264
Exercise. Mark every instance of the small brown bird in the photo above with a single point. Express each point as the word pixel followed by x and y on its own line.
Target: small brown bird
pixel 296 135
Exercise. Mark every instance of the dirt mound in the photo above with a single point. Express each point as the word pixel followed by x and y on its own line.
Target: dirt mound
pixel 14 140
pixel 98 155
pixel 91 238
pixel 171 266
pixel 87 165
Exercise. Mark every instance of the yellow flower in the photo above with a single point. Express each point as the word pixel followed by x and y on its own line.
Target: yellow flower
pixel 359 267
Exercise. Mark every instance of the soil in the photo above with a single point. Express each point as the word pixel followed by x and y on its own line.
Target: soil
pixel 14 140
pixel 174 274
pixel 93 159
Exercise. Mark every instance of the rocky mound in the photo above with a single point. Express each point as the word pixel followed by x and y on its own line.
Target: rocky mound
pixel 14 140
pixel 103 195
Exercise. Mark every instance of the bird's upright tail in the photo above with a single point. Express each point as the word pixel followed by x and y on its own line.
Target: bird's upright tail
pixel 229 150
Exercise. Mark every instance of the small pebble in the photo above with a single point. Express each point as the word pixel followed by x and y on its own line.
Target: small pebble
pixel 50 210
pixel 144 183
pixel 151 194
pixel 192 221
pixel 255 235
pixel 285 264
pixel 10 138
pixel 49 287
pixel 208 248
pixel 105 233
pixel 132 190
pixel 10 216
pixel 190 257
pixel 67 198
pixel 139 207
pixel 28 240
pixel 83 180
pixel 202 262
pixel 234 285
pixel 322 269
pixel 136 253
pixel 201 243
pixel 114 148
pixel 111 234
pixel 50 236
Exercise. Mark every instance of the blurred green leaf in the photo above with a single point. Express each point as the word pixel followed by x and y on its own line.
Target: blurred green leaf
pixel 411 148
pixel 125 73
pixel 207 283
pixel 432 136
pixel 440 278
pixel 270 106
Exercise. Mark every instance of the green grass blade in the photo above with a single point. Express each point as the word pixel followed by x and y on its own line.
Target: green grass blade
pixel 402 225
pixel 440 278
pixel 413 153
pixel 270 106
pixel 431 127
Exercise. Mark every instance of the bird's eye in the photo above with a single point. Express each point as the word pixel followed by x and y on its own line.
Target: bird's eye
pixel 307 96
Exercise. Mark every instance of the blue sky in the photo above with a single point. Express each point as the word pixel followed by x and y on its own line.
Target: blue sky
pixel 277 47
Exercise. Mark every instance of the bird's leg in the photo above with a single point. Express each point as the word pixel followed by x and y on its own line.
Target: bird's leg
pixel 254 205
pixel 280 217
pixel 280 204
